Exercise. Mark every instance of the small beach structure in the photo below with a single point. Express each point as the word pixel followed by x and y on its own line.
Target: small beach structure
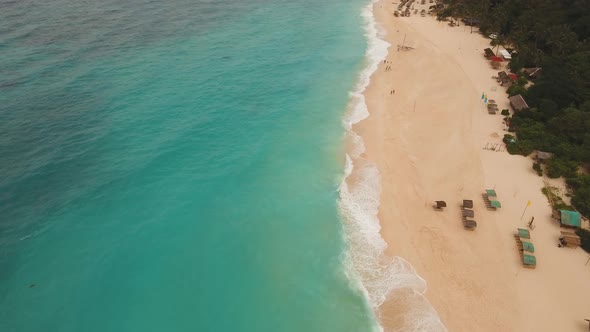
pixel 518 103
pixel 570 219
pixel 570 239
pixel 505 54
pixel 542 156
pixel 533 73
pixel 504 79
pixel 439 205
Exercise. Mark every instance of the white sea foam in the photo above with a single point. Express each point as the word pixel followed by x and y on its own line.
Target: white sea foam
pixel 378 276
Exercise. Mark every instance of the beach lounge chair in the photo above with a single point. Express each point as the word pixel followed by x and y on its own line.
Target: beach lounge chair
pixel 467 204
pixel 491 192
pixel 439 205
pixel 491 205
pixel 529 261
pixel 527 246
pixel 467 213
pixel 524 233
pixel 469 224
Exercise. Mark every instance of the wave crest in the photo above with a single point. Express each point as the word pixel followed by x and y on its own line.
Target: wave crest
pixel 378 276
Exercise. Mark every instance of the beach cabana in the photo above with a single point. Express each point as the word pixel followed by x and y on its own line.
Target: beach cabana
pixel 467 204
pixel 529 261
pixel 518 103
pixel 527 246
pixel 571 219
pixel 524 233
pixel 439 205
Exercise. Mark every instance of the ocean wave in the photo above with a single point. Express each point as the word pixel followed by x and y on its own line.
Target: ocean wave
pixel 378 276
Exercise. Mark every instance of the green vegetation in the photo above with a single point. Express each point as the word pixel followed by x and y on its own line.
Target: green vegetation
pixel 585 237
pixel 554 199
pixel 555 36
pixel 505 112
pixel 537 168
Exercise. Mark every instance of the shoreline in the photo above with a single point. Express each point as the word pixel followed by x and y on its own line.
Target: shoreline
pixel 424 142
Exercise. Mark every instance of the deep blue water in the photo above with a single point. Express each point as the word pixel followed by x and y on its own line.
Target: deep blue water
pixel 174 165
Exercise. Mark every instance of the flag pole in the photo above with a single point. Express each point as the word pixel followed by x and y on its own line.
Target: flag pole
pixel 527 205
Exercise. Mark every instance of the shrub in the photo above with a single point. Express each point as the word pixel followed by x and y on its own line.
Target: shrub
pixel 516 89
pixel 537 168
pixel 505 112
pixel 585 237
pixel 557 167
pixel 581 196
pixel 520 147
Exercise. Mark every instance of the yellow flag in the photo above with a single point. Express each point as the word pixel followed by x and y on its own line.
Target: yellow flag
pixel 528 203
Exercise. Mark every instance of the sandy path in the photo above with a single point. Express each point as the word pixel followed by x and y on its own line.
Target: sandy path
pixel 427 141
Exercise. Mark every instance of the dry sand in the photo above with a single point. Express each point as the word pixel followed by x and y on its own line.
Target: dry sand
pixel 427 140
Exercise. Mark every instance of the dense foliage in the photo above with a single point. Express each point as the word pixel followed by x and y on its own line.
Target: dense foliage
pixel 553 35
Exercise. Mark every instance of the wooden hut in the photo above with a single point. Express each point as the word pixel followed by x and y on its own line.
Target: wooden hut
pixel 533 73
pixel 570 239
pixel 518 103
pixel 542 156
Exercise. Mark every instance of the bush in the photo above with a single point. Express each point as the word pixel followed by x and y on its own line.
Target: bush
pixel 581 197
pixel 522 81
pixel 508 139
pixel 520 147
pixel 557 167
pixel 505 112
pixel 585 237
pixel 516 89
pixel 537 168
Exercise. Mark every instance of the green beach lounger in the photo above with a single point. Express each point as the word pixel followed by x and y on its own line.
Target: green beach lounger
pixel 527 246
pixel 524 233
pixel 491 192
pixel 529 261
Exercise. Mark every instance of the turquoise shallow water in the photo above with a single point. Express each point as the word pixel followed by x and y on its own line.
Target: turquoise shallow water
pixel 174 166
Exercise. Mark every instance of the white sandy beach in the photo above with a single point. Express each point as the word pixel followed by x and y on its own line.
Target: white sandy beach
pixel 427 140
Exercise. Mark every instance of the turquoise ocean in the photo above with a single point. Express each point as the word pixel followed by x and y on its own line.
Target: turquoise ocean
pixel 178 165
